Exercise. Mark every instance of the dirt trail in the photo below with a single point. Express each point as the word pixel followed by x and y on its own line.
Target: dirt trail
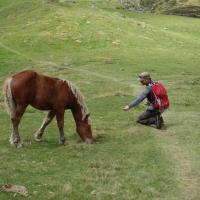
pixel 185 171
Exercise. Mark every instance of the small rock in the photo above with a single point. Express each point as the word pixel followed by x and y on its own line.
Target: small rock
pixel 16 189
pixel 78 41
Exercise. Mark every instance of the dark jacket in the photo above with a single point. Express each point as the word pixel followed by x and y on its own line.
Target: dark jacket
pixel 146 93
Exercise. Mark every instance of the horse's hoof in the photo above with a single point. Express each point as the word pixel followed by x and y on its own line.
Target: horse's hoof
pixel 88 141
pixel 19 145
pixel 65 142
pixel 12 143
pixel 38 139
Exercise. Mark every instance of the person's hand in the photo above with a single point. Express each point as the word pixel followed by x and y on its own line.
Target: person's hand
pixel 126 108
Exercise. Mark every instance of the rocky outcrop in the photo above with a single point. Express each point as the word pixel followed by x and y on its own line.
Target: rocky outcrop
pixel 177 7
pixel 190 11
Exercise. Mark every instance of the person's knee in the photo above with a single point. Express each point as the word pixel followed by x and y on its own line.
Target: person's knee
pixel 141 121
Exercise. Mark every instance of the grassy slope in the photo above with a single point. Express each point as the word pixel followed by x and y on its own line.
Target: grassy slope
pixel 102 49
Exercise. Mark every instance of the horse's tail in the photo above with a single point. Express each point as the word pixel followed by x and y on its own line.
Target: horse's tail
pixel 8 98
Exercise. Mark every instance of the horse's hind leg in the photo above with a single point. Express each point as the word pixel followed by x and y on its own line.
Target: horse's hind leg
pixel 60 123
pixel 46 121
pixel 15 138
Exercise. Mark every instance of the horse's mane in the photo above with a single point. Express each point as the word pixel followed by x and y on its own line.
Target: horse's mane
pixel 80 99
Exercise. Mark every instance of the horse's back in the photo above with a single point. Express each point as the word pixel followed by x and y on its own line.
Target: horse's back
pixel 51 93
pixel 23 77
pixel 40 91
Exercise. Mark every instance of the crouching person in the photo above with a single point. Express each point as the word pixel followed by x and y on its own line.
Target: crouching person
pixel 157 101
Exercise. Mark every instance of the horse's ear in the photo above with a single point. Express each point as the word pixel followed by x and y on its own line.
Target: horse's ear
pixel 86 117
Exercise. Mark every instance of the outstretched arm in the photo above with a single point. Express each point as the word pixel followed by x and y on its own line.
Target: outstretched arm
pixel 139 99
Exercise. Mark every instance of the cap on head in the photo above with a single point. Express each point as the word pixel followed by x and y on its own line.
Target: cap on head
pixel 143 76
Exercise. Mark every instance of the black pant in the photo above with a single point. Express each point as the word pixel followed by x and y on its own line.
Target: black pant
pixel 148 117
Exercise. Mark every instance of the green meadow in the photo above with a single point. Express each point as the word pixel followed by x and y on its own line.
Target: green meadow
pixel 101 48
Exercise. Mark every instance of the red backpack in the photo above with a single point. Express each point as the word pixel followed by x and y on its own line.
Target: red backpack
pixel 161 98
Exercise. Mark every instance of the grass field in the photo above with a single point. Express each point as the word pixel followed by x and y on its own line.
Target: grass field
pixel 101 48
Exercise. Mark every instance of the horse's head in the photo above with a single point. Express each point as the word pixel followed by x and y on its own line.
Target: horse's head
pixel 84 130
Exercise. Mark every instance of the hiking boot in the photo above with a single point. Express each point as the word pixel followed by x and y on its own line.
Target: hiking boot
pixel 159 121
pixel 162 121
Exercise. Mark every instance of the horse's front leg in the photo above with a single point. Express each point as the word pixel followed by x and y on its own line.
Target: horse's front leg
pixel 60 123
pixel 15 138
pixel 46 121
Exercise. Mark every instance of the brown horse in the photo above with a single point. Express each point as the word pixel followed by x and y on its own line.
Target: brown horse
pixel 45 93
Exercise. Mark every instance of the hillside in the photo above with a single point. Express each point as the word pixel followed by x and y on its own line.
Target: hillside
pixel 101 48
